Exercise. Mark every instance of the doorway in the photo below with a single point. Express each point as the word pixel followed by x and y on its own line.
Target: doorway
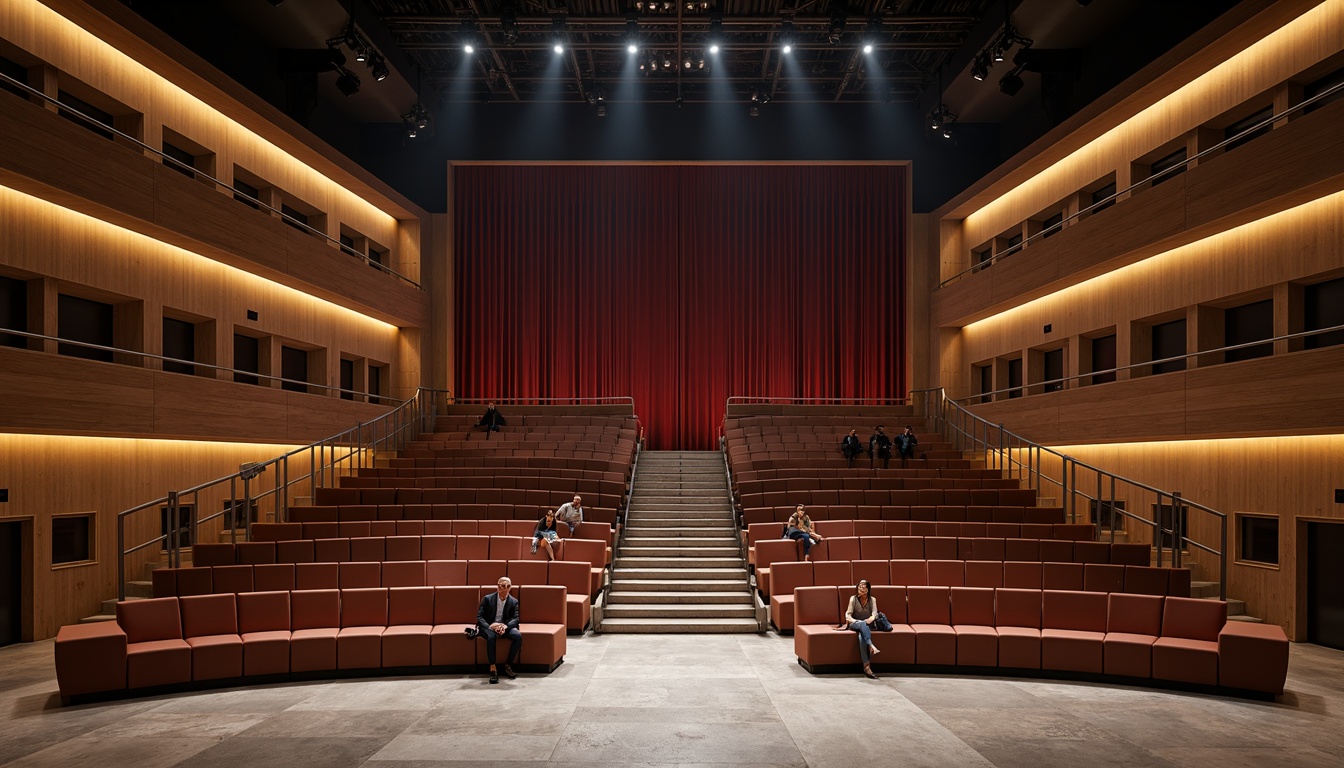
pixel 1325 590
pixel 11 582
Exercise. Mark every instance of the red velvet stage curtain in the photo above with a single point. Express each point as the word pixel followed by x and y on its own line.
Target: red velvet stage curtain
pixel 680 286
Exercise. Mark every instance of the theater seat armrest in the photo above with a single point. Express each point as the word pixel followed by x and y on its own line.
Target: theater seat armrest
pixel 1252 657
pixel 90 658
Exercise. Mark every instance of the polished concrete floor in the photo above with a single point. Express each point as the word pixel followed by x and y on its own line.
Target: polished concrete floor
pixel 670 700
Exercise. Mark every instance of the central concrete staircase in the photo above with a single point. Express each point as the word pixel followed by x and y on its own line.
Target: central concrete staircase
pixel 679 567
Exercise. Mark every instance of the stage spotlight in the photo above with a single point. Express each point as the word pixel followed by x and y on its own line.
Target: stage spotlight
pixel 868 48
pixel 787 48
pixel 786 36
pixel 667 61
pixel 872 34
pixel 836 31
pixel 947 132
pixel 468 48
pixel 347 82
pixel 631 48
pixel 411 132
pixel 601 110
pixel 1011 83
pixel 508 24
pixel 378 67
pixel 980 67
pixel 558 35
pixel 755 111
pixel 714 48
pixel 686 62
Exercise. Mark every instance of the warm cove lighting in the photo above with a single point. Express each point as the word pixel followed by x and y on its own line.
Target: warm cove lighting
pixel 75 447
pixel 1279 55
pixel 160 259
pixel 1316 445
pixel 51 37
pixel 1132 284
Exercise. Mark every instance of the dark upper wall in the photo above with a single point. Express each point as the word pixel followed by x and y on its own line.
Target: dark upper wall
pixel 693 132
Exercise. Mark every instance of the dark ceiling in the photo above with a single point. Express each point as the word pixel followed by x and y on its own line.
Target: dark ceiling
pixel 515 98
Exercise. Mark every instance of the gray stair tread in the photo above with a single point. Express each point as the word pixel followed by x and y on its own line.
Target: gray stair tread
pixel 98 617
pixel 618 597
pixel 677 626
pixel 680 585
pixel 675 611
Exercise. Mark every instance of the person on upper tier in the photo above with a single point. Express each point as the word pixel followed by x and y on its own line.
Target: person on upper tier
pixel 905 444
pixel 851 447
pixel 879 447
pixel 546 534
pixel 491 421
pixel 571 513
pixel 799 528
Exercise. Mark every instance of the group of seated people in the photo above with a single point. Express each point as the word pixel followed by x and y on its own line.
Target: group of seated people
pixel 880 445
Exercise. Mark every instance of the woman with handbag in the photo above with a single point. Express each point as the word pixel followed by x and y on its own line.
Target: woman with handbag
pixel 862 617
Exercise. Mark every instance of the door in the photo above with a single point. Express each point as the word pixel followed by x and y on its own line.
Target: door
pixel 11 583
pixel 1325 590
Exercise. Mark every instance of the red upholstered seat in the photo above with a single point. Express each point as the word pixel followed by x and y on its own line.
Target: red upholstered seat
pixel 446 573
pixel 897 646
pixel 1017 619
pixel 1252 657
pixel 315 621
pixel 909 573
pixel 1133 624
pixel 359 644
pixel 1187 651
pixel 787 577
pixel 90 658
pixel 482 573
pixel 816 639
pixel 973 623
pixel 410 621
pixel 1073 626
pixel 263 625
pixel 541 613
pixel 574 577
pixel 454 610
pixel 360 575
pixel 928 611
pixel 156 654
pixel 210 627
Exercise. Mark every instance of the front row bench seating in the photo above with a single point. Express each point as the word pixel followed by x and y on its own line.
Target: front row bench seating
pixel 1132 637
pixel 173 643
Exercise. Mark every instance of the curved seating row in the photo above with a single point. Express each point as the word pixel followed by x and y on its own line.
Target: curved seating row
pixel 1088 577
pixel 554 451
pixel 954 528
pixel 575 576
pixel 603 464
pixel 942 513
pixel 421 494
pixel 452 483
pixel 921 497
pixel 496 473
pixel 359 529
pixel 813 462
pixel 225 639
pixel 1134 638
pixel 851 473
pixel 379 549
pixel 849 549
pixel 394 512
pixel 862 484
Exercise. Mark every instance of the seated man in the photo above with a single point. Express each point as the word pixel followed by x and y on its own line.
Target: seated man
pixel 571 513
pixel 498 617
pixel 879 447
pixel 492 420
pixel 851 447
pixel 905 444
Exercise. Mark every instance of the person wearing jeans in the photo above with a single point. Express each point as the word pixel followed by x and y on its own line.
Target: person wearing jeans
pixel 859 617
pixel 498 617
pixel 799 528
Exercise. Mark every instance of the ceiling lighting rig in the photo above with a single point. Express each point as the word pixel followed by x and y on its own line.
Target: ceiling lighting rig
pixel 364 52
pixel 415 121
pixel 996 51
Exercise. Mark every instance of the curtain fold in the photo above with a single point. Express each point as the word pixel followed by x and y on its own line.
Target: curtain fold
pixel 680 286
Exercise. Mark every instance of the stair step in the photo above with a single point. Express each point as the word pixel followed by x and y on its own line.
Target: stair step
pixel 661 532
pixel 687 561
pixel 618 597
pixel 97 617
pixel 139 589
pixel 679 626
pixel 630 543
pixel 678 574
pixel 1247 619
pixel 692 523
pixel 744 610
pixel 1204 589
pixel 723 548
pixel 648 584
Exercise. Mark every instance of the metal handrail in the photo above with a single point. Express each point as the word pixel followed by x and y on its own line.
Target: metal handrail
pixel 210 366
pixel 1173 170
pixel 1021 458
pixel 101 126
pixel 326 459
pixel 1132 366
pixel 602 400
pixel 784 400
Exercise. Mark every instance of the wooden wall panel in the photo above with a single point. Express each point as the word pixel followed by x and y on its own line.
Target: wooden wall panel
pixel 54 39
pixel 57 160
pixel 51 475
pixel 1289 394
pixel 1290 478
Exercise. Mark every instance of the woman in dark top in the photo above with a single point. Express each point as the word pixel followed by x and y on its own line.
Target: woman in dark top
pixel 859 617
pixel 545 533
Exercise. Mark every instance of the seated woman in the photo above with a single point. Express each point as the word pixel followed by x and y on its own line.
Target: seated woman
pixel 860 617
pixel 799 528
pixel 546 533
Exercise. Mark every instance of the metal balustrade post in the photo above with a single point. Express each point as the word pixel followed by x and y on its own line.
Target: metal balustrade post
pixel 284 509
pixel 121 557
pixel 233 506
pixel 174 557
pixel 1177 530
pixel 1157 528
pixel 247 505
pixel 1222 562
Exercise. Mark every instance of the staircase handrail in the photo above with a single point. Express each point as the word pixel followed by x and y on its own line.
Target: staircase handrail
pixel 327 459
pixel 1022 458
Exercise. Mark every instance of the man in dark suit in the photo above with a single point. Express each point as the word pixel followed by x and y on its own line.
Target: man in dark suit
pixel 879 447
pixel 498 617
